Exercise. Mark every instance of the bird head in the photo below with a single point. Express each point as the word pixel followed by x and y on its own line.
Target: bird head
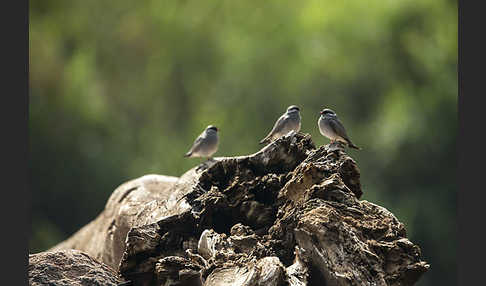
pixel 212 127
pixel 327 111
pixel 293 108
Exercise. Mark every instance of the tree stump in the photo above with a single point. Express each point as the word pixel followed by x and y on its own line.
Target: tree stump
pixel 289 214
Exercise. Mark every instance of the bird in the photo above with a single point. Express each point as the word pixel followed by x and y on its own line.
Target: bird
pixel 287 122
pixel 206 144
pixel 332 128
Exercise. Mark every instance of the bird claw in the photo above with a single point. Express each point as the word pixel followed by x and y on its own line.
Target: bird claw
pixel 205 165
pixel 335 145
pixel 201 167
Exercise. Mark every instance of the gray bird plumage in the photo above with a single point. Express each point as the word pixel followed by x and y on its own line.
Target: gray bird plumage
pixel 289 121
pixel 206 144
pixel 332 128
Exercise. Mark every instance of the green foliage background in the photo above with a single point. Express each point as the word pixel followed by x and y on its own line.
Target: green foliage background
pixel 120 89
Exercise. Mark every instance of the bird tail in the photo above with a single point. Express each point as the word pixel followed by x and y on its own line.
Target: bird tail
pixel 188 154
pixel 351 145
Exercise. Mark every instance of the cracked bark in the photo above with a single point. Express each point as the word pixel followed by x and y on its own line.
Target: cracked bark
pixel 289 214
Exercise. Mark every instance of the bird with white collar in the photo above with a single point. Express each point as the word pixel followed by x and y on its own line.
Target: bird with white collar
pixel 206 144
pixel 332 128
pixel 287 122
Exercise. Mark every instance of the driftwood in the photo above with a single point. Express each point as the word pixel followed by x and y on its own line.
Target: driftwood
pixel 289 214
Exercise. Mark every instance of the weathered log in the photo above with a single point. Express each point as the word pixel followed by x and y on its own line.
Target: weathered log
pixel 127 207
pixel 289 214
pixel 69 268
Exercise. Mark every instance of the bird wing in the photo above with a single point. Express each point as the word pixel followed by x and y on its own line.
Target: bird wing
pixel 197 143
pixel 277 127
pixel 338 128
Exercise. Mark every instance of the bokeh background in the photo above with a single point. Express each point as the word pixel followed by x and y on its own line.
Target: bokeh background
pixel 120 89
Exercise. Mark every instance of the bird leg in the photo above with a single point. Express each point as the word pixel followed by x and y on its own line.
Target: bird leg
pixel 334 145
pixel 201 164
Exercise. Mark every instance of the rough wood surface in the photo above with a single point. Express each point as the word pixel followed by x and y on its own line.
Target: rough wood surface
pixel 69 268
pixel 289 214
pixel 104 237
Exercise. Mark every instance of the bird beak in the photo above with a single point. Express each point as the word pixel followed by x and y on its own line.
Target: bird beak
pixel 320 112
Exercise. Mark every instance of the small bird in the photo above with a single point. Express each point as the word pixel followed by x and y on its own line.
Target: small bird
pixel 206 144
pixel 289 121
pixel 331 127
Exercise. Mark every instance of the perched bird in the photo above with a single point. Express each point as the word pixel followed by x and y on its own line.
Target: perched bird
pixel 289 121
pixel 206 144
pixel 331 127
